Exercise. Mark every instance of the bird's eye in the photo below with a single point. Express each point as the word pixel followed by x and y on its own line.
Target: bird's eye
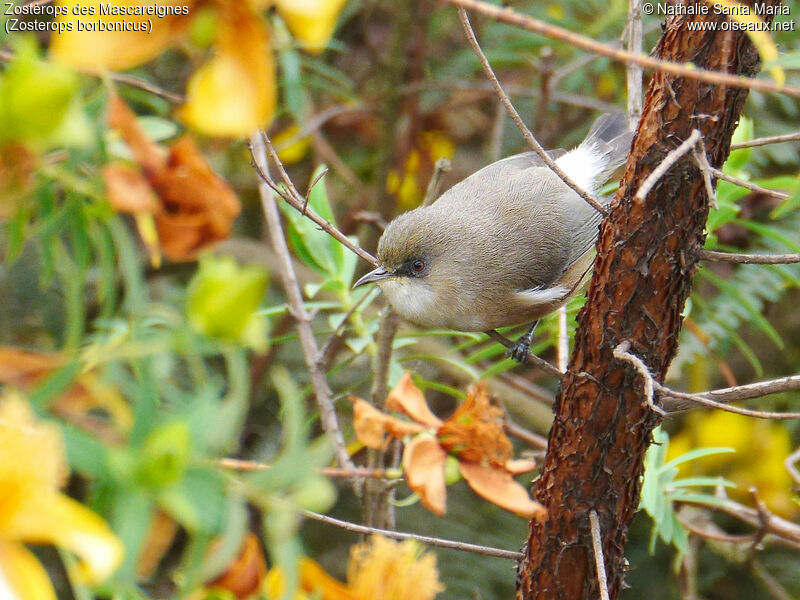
pixel 418 265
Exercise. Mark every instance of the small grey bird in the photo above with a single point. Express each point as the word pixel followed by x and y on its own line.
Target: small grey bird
pixel 505 246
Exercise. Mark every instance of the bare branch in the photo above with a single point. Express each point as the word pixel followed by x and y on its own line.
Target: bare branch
pixel 238 464
pixel 633 72
pixel 532 358
pixel 599 563
pixel 750 186
pixel 749 259
pixel 666 164
pixel 511 17
pixel 789 463
pixel 621 353
pixel 563 340
pixel 294 199
pixel 441 167
pixel 399 535
pixel 718 398
pixel 774 139
pixel 512 112
pixel 319 382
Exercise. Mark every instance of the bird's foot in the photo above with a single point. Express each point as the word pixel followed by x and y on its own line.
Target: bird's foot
pixel 520 349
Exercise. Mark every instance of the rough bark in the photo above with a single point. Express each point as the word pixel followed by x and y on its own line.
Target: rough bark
pixel 646 257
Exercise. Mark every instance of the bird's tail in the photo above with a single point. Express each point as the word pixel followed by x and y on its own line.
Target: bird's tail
pixel 610 139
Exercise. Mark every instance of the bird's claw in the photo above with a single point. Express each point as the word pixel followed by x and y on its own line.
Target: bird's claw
pixel 518 351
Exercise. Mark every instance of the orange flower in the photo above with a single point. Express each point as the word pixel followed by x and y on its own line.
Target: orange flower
pixel 473 434
pixel 193 207
pixel 234 92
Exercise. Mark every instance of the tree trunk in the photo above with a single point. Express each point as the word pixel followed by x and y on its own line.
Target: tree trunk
pixel 646 257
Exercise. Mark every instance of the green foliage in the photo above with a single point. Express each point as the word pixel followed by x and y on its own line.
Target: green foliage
pixel 662 488
pixel 222 299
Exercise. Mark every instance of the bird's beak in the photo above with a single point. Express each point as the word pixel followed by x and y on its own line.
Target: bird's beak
pixel 373 276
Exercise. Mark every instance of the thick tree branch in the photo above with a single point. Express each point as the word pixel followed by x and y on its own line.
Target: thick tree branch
pixel 646 257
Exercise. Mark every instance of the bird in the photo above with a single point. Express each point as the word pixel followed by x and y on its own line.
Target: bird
pixel 508 245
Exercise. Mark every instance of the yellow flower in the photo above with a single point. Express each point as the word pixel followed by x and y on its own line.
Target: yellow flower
pixel 378 568
pixel 32 510
pixel 234 92
pixel 761 447
pixel 310 21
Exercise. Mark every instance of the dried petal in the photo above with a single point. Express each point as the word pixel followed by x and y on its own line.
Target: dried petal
pixel 244 575
pixel 150 156
pixel 407 398
pixel 372 426
pixel 520 465
pixel 423 462
pixel 474 432
pixel 500 488
pixel 128 190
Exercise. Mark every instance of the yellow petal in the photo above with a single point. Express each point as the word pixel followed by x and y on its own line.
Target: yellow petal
pixel 61 521
pixel 407 398
pixel 500 488
pixel 98 41
pixel 314 580
pixel 310 21
pixel 382 568
pixel 423 463
pixel 233 94
pixel 22 577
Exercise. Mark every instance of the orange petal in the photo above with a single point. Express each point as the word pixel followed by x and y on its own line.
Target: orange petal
pixel 408 399
pixel 128 190
pixel 147 153
pixel 500 488
pixel 199 205
pixel 244 575
pixel 234 93
pixel 372 426
pixel 103 49
pixel 423 462
pixel 520 465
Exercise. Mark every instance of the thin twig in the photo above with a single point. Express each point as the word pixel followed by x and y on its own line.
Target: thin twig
pixel 750 186
pixel 294 199
pixel 399 535
pixel 774 587
pixel 123 78
pixel 512 112
pixel 512 90
pixel 532 358
pixel 701 158
pixel 511 17
pixel 621 353
pixel 563 340
pixel 331 343
pixel 633 72
pixel 789 383
pixel 441 167
pixel 308 344
pixel 748 259
pixel 773 139
pixel 599 561
pixel 532 439
pixel 789 464
pixel 665 165
pixel 238 464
